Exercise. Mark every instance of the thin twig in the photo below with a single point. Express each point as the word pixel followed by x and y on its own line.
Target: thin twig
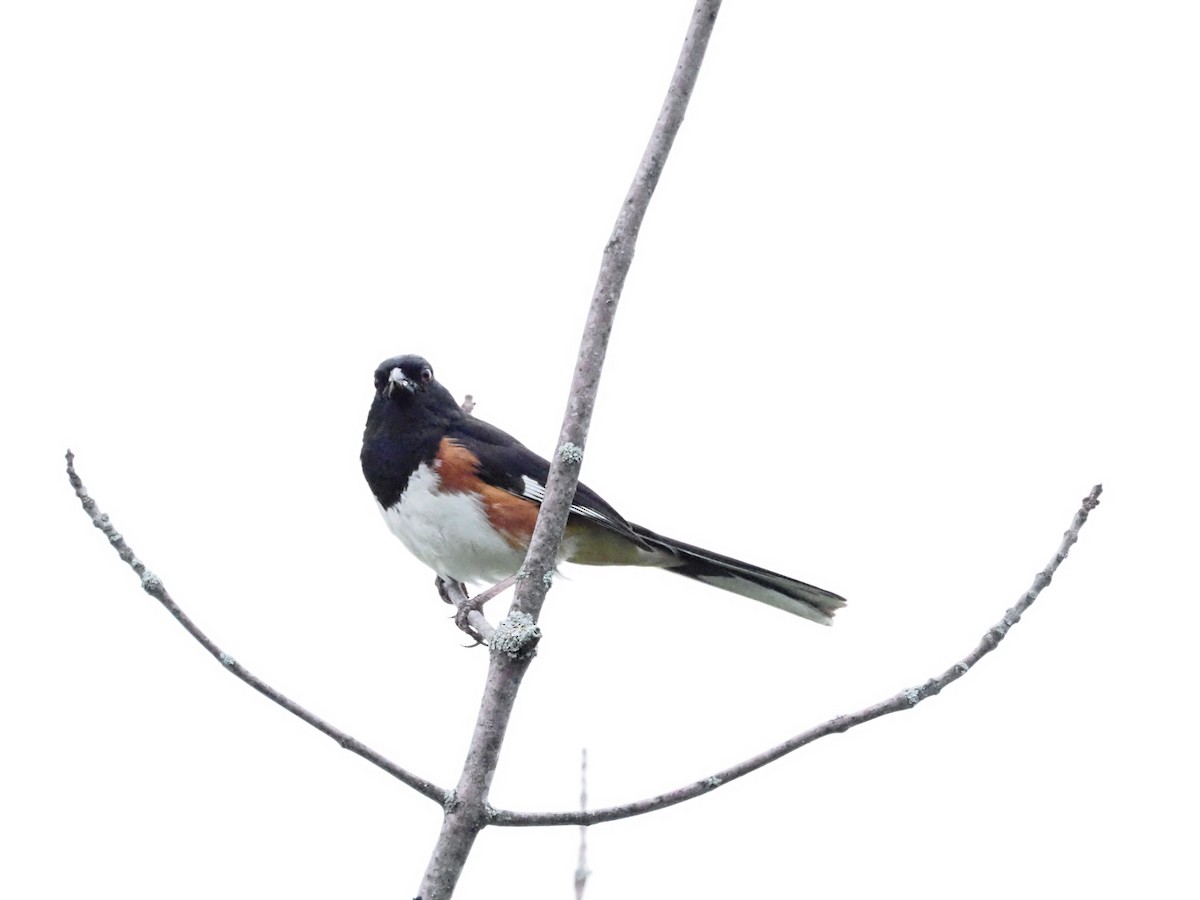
pixel 581 869
pixel 515 641
pixel 153 586
pixel 902 701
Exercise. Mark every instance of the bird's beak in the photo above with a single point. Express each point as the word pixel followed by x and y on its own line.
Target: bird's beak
pixel 399 379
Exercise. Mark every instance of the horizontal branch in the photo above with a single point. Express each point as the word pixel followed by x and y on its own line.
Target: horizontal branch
pixel 153 586
pixel 902 701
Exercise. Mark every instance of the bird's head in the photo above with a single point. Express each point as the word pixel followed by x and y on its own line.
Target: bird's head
pixel 404 373
pixel 408 382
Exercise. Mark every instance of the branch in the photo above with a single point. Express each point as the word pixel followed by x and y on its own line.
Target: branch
pixel 153 586
pixel 581 869
pixel 902 701
pixel 515 641
pixel 614 266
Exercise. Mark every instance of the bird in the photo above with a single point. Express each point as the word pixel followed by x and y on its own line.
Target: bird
pixel 463 497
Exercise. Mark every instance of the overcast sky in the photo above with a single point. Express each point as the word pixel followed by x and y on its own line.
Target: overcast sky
pixel 916 277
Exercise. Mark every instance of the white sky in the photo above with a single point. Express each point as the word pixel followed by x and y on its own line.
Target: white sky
pixel 916 277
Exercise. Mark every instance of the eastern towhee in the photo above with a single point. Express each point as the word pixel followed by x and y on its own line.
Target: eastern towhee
pixel 463 497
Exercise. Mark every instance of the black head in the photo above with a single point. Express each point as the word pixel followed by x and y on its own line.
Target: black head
pixel 407 373
pixel 407 383
pixel 409 416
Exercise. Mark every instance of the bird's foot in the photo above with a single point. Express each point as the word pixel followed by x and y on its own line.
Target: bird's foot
pixel 455 593
pixel 452 592
pixel 468 615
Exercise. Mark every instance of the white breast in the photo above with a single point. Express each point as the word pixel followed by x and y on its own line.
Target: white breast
pixel 449 532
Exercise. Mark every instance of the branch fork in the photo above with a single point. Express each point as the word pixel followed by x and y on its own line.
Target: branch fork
pixel 512 646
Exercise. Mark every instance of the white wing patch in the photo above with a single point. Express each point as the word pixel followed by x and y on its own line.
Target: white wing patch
pixel 535 490
pixel 591 513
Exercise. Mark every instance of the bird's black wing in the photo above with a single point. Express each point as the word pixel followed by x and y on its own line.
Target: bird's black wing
pixel 506 463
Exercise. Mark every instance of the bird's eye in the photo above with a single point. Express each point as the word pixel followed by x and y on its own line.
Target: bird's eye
pixel 426 375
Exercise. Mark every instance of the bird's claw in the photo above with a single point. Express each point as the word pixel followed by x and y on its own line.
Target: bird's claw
pixel 455 593
pixel 461 619
pixel 447 589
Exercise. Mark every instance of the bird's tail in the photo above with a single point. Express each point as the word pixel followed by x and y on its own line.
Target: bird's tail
pixel 745 579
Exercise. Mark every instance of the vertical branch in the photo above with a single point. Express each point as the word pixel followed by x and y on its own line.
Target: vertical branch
pixel 581 868
pixel 614 266
pixel 515 640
